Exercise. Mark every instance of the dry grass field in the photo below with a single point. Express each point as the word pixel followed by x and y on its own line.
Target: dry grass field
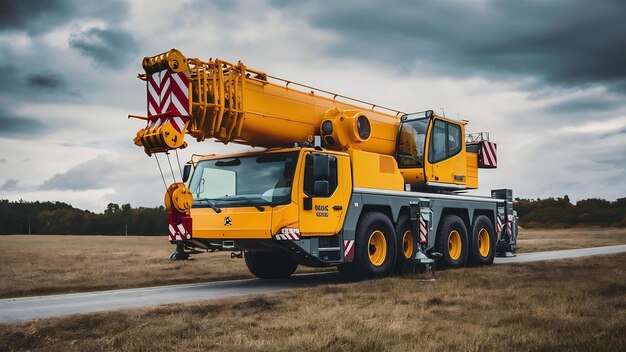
pixel 34 265
pixel 533 240
pixel 566 305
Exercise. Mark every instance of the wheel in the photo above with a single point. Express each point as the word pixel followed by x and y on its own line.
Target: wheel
pixel 406 245
pixel 270 265
pixel 482 242
pixel 451 242
pixel 375 246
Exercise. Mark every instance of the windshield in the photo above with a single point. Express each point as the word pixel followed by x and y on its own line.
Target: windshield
pixel 244 181
pixel 411 140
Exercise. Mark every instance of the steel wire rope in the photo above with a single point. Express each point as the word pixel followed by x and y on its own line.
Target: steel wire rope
pixel 170 164
pixel 167 190
pixel 179 168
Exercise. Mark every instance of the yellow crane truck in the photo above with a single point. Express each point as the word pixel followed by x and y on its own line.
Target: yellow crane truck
pixel 332 181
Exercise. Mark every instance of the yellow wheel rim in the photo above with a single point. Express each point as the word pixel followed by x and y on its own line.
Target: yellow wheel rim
pixel 377 248
pixel 407 244
pixel 483 243
pixel 454 245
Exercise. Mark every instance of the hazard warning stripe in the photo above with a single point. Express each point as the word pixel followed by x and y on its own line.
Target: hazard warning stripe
pixel 180 94
pixel 489 154
pixel 287 236
pixel 348 249
pixel 423 231
pixel 178 233
pixel 153 95
pixel 168 92
pixel 179 228
pixel 498 225
pixel 178 123
pixel 165 93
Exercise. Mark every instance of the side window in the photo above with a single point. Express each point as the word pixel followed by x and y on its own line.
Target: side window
pixel 438 142
pixel 309 179
pixel 454 139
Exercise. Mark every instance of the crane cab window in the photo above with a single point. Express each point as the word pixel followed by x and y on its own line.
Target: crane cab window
pixel 411 138
pixel 445 141
pixel 454 139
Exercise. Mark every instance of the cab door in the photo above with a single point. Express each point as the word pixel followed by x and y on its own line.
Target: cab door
pixel 325 191
pixel 446 162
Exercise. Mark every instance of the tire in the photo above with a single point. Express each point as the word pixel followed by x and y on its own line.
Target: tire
pixel 483 242
pixel 406 246
pixel 375 247
pixel 270 265
pixel 452 242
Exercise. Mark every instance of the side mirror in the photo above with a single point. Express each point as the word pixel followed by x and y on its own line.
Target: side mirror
pixel 186 172
pixel 321 188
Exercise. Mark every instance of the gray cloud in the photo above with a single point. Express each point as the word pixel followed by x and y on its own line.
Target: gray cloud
pixel 9 185
pixel 92 174
pixel 3 160
pixel 13 125
pixel 38 16
pixel 112 48
pixel 587 104
pixel 45 81
pixel 564 43
pixel 34 86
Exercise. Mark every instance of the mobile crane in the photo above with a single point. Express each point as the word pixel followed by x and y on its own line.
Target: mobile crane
pixel 333 181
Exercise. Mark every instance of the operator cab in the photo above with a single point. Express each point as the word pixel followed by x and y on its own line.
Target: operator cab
pixel 430 152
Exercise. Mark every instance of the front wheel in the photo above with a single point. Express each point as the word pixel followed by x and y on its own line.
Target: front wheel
pixel 270 265
pixel 375 246
pixel 452 242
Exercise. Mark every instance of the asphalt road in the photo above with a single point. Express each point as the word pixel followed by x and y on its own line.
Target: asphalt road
pixel 26 308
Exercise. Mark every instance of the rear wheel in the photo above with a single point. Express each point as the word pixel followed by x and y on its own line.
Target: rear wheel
pixel 270 265
pixel 483 242
pixel 375 247
pixel 406 245
pixel 452 242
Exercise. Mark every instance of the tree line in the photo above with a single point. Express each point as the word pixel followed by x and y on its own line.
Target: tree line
pixel 60 218
pixel 560 212
pixel 21 217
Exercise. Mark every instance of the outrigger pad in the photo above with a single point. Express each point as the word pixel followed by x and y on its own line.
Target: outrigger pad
pixel 180 253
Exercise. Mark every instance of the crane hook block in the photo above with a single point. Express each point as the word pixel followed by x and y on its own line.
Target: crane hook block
pixel 168 86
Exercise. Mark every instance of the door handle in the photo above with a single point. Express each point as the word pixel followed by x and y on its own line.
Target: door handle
pixel 337 207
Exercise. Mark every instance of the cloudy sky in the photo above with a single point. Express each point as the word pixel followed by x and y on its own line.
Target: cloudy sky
pixel 547 79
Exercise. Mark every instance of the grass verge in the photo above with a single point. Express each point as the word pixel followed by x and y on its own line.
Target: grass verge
pixel 34 265
pixel 577 304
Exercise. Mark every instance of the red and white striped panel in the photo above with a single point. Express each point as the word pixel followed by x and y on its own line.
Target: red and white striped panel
pixel 498 225
pixel 423 231
pixel 168 92
pixel 488 157
pixel 509 225
pixel 348 249
pixel 154 93
pixel 168 95
pixel 178 102
pixel 179 229
pixel 287 234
